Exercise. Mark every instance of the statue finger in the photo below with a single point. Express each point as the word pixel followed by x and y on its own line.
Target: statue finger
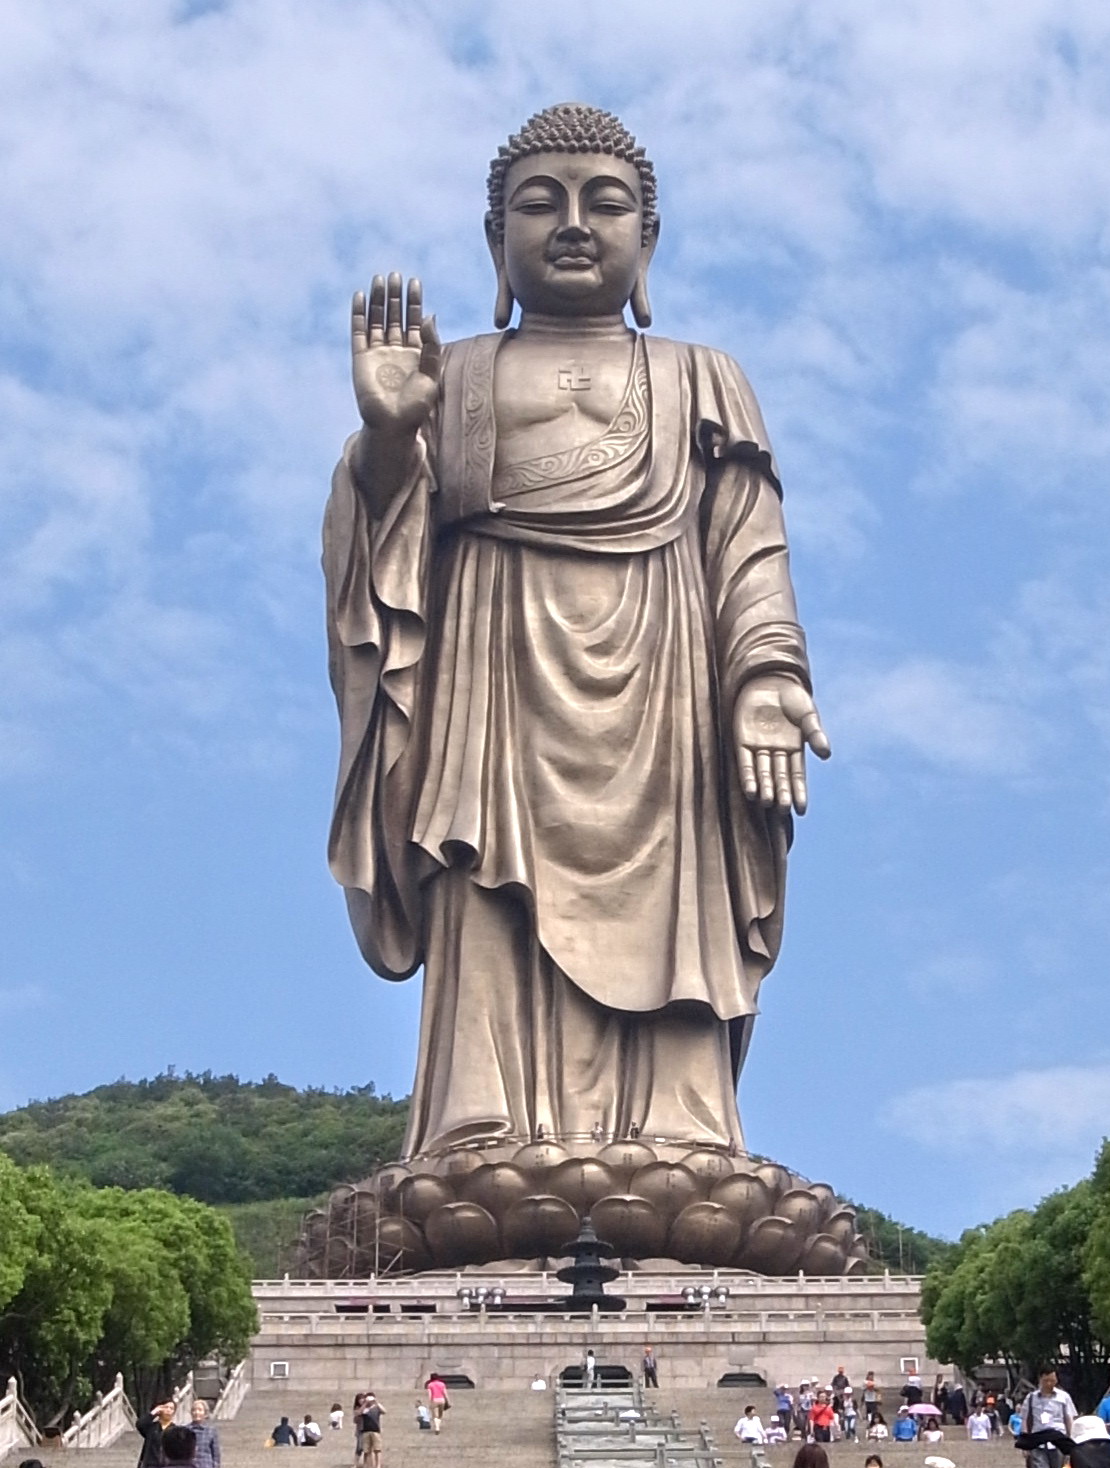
pixel 763 775
pixel 377 311
pixel 430 349
pixel 815 736
pixel 748 782
pixel 414 312
pixel 780 770
pixel 394 335
pixel 358 323
pixel 798 782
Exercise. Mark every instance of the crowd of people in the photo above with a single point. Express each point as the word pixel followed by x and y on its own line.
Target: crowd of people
pixel 1045 1424
pixel 836 1411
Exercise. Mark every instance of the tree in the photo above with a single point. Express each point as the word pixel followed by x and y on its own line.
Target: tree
pixel 140 1282
pixel 1096 1254
pixel 19 1232
pixel 1015 1291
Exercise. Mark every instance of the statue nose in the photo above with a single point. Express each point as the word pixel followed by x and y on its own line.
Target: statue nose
pixel 572 237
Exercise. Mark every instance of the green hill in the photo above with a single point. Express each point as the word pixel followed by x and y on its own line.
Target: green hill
pixel 215 1138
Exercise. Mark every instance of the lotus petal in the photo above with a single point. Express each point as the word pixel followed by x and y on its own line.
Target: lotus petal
pixel 705 1233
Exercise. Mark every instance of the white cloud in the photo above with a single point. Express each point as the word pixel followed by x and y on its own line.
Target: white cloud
pixel 18 998
pixel 946 714
pixel 193 196
pixel 954 973
pixel 1063 1109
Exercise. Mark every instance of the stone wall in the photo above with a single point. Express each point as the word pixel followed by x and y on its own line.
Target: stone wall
pixel 780 1330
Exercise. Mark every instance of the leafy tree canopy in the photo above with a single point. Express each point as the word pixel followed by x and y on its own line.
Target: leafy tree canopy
pixel 139 1282
pixel 1030 1289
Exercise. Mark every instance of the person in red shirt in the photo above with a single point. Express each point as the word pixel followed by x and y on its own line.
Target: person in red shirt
pixel 821 1418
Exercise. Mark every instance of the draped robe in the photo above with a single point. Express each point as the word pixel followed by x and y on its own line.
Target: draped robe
pixel 536 666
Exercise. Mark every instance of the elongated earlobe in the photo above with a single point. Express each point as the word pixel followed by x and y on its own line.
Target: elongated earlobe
pixel 503 306
pixel 641 306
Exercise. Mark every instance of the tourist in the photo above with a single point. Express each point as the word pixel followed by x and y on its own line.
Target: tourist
pixel 356 1418
pixel 179 1444
pixel 811 1455
pixel 872 1398
pixel 872 1461
pixel 650 1368
pixel 283 1435
pixel 335 1417
pixel 804 1406
pixel 838 1383
pixel 1090 1443
pixel 207 1454
pixel 749 1429
pixel 979 1428
pixel 539 1383
pixel 940 1397
pixel 423 1417
pixel 931 1432
pixel 1047 1407
pixel 776 1433
pixel 912 1392
pixel 152 1425
pixel 849 1417
pixel 957 1404
pixel 877 1430
pixel 821 1418
pixel 371 1421
pixel 438 1399
pixel 905 1428
pixel 784 1406
pixel 309 1432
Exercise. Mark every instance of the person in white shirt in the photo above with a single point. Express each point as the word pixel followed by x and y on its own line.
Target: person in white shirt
pixel 979 1426
pixel 539 1384
pixel 308 1433
pixel 335 1417
pixel 750 1429
pixel 1048 1406
pixel 878 1432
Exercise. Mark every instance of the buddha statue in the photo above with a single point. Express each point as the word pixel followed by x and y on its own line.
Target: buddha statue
pixel 573 690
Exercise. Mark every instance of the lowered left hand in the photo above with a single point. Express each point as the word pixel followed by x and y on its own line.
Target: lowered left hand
pixel 774 719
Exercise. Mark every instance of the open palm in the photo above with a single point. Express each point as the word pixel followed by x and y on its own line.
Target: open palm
pixel 395 357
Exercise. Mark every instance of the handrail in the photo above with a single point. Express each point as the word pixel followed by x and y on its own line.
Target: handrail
pixel 235 1388
pixel 183 1399
pixel 17 1426
pixel 109 1417
pixel 738 1282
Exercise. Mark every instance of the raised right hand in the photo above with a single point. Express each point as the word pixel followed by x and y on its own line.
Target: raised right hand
pixel 394 362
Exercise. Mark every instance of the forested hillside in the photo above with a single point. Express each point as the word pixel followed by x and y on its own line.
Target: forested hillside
pixel 215 1138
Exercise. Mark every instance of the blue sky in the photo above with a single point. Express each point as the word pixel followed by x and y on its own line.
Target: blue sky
pixel 895 218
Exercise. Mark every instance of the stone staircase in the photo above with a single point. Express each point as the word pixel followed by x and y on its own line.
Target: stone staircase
pixel 506 1429
pixel 514 1428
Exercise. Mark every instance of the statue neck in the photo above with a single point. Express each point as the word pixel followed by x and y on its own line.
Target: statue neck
pixel 612 328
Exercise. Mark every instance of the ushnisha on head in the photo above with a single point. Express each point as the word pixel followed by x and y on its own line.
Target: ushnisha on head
pixel 572 219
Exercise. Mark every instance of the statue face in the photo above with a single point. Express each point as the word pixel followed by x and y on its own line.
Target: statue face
pixel 573 225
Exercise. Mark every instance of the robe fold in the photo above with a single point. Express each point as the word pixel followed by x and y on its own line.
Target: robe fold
pixel 536 665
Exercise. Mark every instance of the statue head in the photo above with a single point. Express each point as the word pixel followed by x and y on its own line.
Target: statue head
pixel 572 220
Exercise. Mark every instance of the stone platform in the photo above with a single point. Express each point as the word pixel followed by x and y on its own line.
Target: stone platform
pixel 323 1336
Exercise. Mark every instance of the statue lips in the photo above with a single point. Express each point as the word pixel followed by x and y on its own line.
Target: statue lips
pixel 569 258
